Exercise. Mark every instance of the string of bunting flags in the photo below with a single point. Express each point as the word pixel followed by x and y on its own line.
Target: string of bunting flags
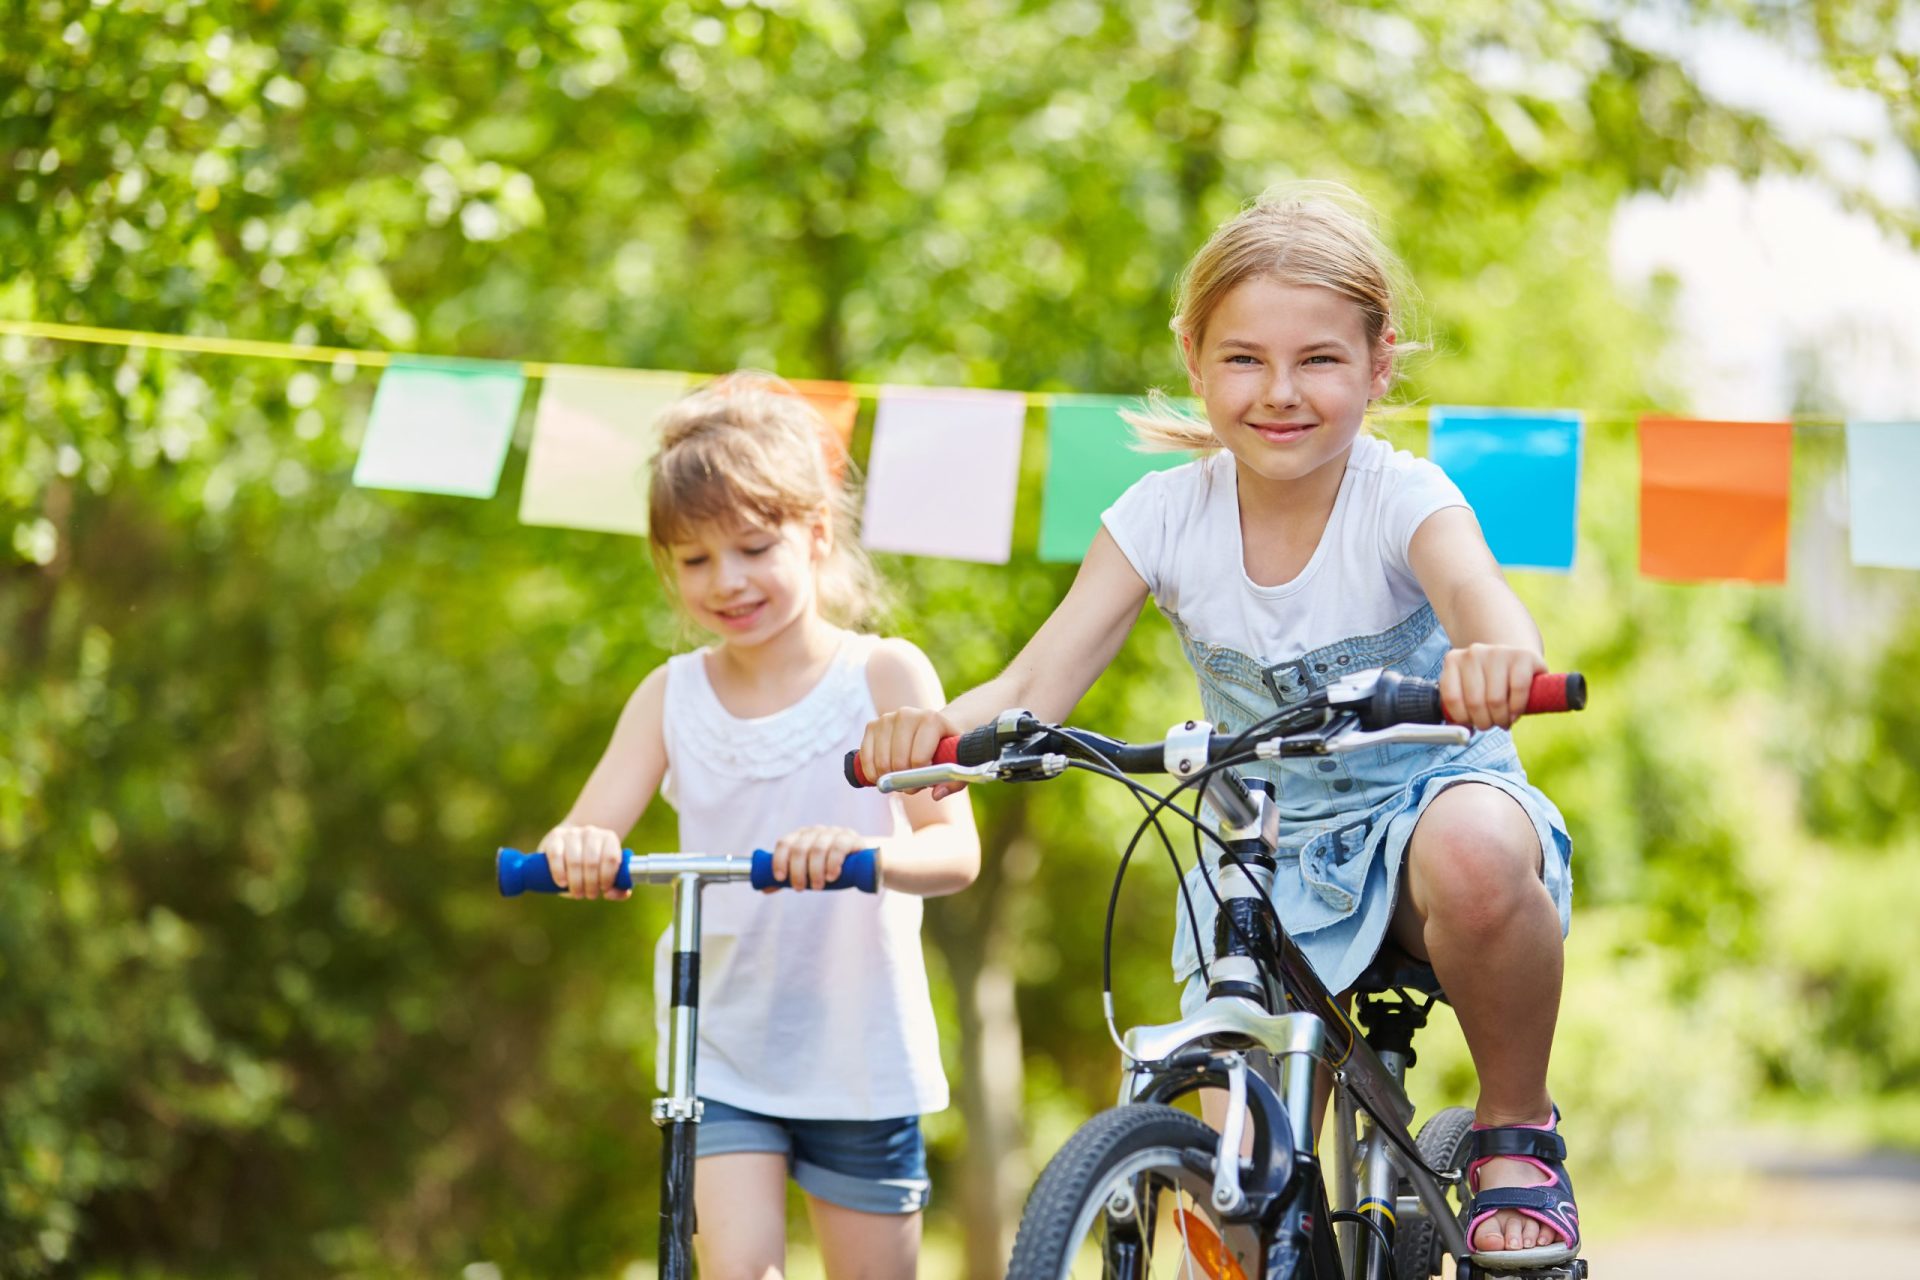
pixel 943 468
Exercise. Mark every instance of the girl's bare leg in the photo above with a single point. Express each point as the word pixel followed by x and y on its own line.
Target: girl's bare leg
pixel 865 1246
pixel 741 1200
pixel 1475 908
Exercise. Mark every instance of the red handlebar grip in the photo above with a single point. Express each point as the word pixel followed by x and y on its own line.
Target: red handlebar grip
pixel 1557 692
pixel 857 777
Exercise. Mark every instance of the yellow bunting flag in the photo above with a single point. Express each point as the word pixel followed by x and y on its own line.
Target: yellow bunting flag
pixel 593 435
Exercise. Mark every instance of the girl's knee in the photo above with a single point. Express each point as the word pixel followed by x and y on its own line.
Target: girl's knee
pixel 722 1262
pixel 1474 852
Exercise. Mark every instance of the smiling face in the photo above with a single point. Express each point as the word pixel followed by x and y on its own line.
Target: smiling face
pixel 748 583
pixel 1287 373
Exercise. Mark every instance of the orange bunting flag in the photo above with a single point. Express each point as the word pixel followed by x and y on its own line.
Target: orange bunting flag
pixel 838 406
pixel 1713 499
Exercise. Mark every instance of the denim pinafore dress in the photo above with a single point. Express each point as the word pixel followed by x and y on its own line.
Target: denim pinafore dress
pixel 1345 820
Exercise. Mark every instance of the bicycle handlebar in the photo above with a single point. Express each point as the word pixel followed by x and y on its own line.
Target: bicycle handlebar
pixel 519 873
pixel 1389 699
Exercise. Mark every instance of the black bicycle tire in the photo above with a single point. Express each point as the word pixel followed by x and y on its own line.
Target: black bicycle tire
pixel 1442 1141
pixel 1041 1245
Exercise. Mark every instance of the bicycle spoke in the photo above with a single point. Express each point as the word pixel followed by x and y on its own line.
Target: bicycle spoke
pixel 1186 1244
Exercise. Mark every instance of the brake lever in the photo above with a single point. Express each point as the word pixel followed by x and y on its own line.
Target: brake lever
pixel 1437 735
pixel 1345 735
pixel 1031 767
pixel 934 775
pixel 1008 768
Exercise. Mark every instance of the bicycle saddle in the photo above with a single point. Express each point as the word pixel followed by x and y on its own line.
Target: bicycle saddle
pixel 1394 970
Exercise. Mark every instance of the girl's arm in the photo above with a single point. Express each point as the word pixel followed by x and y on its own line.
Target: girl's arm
pixel 584 850
pixel 1049 677
pixel 941 854
pixel 1496 646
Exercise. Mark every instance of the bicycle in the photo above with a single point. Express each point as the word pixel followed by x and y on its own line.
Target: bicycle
pixel 680 1110
pixel 1145 1171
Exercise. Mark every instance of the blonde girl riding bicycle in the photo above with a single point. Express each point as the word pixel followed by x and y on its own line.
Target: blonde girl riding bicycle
pixel 1297 549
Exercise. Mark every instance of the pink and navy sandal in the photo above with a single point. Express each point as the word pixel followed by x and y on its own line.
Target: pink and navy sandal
pixel 1549 1203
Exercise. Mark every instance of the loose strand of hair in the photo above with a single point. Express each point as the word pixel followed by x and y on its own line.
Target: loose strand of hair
pixel 1161 426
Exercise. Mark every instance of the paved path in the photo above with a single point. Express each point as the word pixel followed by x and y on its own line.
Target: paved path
pixel 1840 1217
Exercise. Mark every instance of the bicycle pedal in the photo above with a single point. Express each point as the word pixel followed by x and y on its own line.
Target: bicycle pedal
pixel 1575 1270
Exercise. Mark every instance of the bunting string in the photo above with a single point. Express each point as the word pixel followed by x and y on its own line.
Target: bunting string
pixel 265 349
pixel 1714 494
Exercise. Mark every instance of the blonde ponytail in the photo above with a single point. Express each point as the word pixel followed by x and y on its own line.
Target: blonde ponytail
pixel 1162 426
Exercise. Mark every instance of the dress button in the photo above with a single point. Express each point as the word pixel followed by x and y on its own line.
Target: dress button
pixel 1328 766
pixel 1345 659
pixel 1319 666
pixel 1343 784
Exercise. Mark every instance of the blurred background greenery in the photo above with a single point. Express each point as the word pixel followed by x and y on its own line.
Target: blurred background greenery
pixel 261 1012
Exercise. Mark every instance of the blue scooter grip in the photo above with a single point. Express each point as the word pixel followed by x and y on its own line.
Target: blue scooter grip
pixel 520 873
pixel 861 871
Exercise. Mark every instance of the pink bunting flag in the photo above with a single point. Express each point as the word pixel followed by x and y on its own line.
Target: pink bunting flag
pixel 943 471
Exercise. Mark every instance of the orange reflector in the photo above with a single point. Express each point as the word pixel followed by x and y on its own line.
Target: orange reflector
pixel 1208 1249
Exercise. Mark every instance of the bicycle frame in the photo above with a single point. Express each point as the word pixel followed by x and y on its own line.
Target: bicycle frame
pixel 1257 969
pixel 1365 1084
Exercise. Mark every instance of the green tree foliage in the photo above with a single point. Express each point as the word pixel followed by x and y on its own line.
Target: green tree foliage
pixel 260 1012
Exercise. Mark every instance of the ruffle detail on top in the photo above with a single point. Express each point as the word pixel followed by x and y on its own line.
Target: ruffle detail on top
pixel 828 717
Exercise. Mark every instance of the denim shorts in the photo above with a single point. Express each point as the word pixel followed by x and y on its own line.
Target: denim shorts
pixel 873 1166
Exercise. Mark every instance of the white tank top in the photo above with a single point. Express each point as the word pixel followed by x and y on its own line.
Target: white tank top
pixel 813 1006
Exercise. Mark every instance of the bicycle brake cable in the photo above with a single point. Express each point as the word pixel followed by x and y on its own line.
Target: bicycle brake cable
pixel 1106 768
pixel 1166 802
pixel 1140 791
pixel 1234 755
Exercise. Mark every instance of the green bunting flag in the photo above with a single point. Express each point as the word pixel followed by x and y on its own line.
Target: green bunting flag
pixel 440 426
pixel 1090 462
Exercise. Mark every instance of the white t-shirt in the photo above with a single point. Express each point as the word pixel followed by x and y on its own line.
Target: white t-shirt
pixel 1180 529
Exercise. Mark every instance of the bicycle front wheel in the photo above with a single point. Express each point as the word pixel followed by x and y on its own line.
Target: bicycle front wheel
pixel 1126 1199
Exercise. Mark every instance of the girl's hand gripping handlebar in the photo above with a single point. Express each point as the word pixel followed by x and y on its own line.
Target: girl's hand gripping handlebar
pixel 1383 699
pixel 957 758
pixel 943 754
pixel 905 739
